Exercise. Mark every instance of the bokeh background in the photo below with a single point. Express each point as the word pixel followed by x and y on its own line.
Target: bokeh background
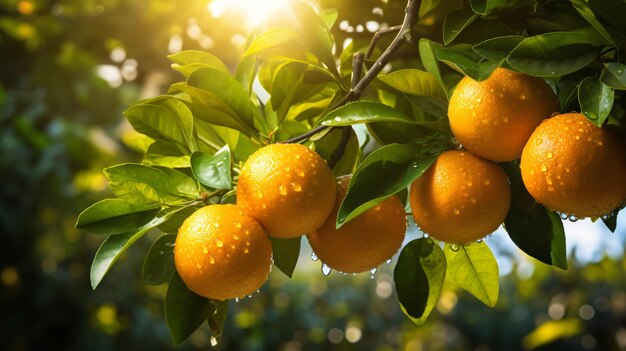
pixel 68 68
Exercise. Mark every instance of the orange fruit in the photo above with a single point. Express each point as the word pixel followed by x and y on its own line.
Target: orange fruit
pixel 366 241
pixel 572 166
pixel 460 198
pixel 222 253
pixel 494 118
pixel 288 188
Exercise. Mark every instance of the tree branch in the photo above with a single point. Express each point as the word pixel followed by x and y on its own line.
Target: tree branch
pixel 377 37
pixel 404 35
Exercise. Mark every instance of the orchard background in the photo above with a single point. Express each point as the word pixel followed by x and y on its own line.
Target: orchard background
pixel 69 69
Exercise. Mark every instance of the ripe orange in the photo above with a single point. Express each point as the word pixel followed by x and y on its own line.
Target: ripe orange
pixel 572 166
pixel 222 253
pixel 366 241
pixel 460 198
pixel 288 188
pixel 494 118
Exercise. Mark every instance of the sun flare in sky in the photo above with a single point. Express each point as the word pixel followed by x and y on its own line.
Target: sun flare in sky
pixel 253 11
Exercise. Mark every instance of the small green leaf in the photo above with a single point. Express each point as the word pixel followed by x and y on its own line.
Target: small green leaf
pixel 285 253
pixel 455 22
pixel 474 268
pixel 464 60
pixel 556 54
pixel 534 229
pixel 184 310
pixel 364 112
pixel 567 90
pixel 584 10
pixel 141 184
pixel 115 216
pixel 166 154
pixel 158 266
pixel 165 119
pixel 497 49
pixel 115 245
pixel 421 87
pixel 427 50
pixel 188 61
pixel 384 173
pixel 271 39
pixel 485 7
pixel 613 75
pixel 595 99
pixel 213 171
pixel 419 277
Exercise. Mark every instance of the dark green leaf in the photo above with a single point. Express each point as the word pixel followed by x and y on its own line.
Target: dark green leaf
pixel 464 60
pixel 364 112
pixel 285 253
pixel 327 146
pixel 141 184
pixel 419 276
pixel 497 49
pixel 613 75
pixel 455 22
pixel 595 99
pixel 534 229
pixel 188 61
pixel 115 245
pixel 555 54
pixel 172 225
pixel 217 319
pixel 420 86
pixel 115 216
pixel 474 268
pixel 584 10
pixel 213 171
pixel 158 266
pixel 184 310
pixel 567 90
pixel 165 119
pixel 384 173
pixel 485 7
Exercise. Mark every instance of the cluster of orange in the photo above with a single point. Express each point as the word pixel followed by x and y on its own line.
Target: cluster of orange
pixel 285 190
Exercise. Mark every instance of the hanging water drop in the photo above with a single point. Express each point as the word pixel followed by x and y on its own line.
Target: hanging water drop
pixel 373 270
pixel 214 341
pixel 325 269
pixel 455 247
pixel 236 299
pixel 314 256
pixel 388 261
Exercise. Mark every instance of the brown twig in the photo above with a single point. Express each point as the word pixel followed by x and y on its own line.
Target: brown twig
pixel 404 35
pixel 377 36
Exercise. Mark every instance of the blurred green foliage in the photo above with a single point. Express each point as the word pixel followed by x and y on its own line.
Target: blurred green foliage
pixel 61 123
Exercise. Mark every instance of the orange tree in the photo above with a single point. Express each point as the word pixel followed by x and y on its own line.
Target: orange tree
pixel 380 113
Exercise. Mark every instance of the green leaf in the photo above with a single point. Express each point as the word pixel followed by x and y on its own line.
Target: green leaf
pixel 165 119
pixel 455 22
pixel 115 216
pixel 172 225
pixel 287 78
pixel 462 59
pixel 419 276
pixel 141 184
pixel 217 319
pixel 485 7
pixel 584 10
pixel 246 71
pixel 285 253
pixel 221 85
pixel 555 54
pixel 158 266
pixel 567 90
pixel 115 245
pixel 166 154
pixel 384 173
pixel 610 222
pixel 534 229
pixel 329 16
pixel 429 60
pixel 184 310
pixel 497 49
pixel 364 112
pixel 187 62
pixel 613 75
pixel 271 39
pixel 420 86
pixel 595 99
pixel 474 268
pixel 327 146
pixel 213 171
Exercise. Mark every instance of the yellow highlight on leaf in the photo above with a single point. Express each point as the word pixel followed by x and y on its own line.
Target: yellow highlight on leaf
pixel 551 331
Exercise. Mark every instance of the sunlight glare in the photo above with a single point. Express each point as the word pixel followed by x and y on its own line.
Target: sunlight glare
pixel 253 11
